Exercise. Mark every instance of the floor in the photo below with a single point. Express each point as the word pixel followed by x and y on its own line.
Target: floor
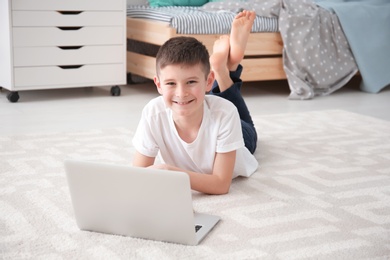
pixel 45 111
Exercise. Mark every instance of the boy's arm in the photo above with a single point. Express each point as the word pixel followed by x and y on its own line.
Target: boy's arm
pixel 216 183
pixel 219 181
pixel 141 160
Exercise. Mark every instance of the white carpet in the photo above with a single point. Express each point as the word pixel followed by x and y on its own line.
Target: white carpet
pixel 322 191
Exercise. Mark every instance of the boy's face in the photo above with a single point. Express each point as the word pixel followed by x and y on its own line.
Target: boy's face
pixel 183 88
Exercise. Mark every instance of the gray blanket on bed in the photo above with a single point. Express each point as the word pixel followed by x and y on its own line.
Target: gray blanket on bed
pixel 366 24
pixel 316 55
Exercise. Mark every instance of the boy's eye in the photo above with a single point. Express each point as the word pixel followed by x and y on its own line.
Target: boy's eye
pixel 170 83
pixel 191 82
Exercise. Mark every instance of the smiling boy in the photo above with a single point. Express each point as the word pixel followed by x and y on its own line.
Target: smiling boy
pixel 210 137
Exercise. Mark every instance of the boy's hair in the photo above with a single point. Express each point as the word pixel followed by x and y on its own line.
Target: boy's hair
pixel 183 50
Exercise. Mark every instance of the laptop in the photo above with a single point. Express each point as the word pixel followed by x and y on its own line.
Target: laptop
pixel 136 202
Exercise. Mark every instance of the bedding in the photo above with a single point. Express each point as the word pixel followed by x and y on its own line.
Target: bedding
pixel 316 55
pixel 158 3
pixel 261 7
pixel 196 20
pixel 137 2
pixel 368 34
pixel 343 43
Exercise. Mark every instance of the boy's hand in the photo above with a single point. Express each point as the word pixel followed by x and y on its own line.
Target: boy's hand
pixel 218 182
pixel 164 167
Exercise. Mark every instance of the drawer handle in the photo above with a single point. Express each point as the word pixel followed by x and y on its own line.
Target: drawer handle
pixel 70 12
pixel 70 47
pixel 70 28
pixel 70 67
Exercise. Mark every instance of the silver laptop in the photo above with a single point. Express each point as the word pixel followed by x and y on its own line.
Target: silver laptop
pixel 137 202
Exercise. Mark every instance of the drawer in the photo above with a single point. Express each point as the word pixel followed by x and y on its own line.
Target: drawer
pixel 41 56
pixel 67 18
pixel 53 76
pixel 53 36
pixel 69 5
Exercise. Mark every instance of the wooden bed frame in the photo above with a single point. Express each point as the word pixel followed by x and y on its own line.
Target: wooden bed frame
pixel 262 61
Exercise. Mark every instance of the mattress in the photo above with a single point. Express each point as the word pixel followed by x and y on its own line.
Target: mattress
pixel 195 20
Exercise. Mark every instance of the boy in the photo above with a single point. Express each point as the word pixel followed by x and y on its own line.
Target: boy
pixel 197 133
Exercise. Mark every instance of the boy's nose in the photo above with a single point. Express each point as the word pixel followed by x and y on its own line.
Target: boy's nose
pixel 181 91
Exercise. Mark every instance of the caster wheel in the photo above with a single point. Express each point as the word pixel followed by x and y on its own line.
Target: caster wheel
pixel 115 91
pixel 13 97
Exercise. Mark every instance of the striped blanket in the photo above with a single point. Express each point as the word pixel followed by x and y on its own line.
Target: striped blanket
pixel 197 20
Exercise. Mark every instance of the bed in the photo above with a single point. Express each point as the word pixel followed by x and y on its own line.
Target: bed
pixel 262 61
pixel 313 44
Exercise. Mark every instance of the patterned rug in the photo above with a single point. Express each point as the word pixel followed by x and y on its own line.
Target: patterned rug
pixel 322 191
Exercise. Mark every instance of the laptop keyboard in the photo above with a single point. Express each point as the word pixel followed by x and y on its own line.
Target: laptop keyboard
pixel 197 227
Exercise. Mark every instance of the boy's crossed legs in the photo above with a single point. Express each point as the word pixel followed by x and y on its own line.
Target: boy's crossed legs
pixel 228 53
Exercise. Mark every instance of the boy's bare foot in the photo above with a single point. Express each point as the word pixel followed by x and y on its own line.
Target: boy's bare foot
pixel 239 34
pixel 219 60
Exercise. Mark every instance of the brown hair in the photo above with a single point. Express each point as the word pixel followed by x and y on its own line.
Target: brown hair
pixel 183 50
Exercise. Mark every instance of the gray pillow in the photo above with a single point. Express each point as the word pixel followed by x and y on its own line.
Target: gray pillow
pixel 137 2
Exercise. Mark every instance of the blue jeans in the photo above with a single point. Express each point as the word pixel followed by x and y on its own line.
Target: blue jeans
pixel 233 94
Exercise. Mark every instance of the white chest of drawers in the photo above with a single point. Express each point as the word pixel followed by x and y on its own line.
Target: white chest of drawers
pixel 62 44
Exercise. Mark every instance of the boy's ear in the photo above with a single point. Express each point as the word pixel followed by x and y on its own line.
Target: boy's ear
pixel 210 81
pixel 158 84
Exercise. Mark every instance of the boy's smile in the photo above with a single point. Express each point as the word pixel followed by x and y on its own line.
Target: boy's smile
pixel 183 88
pixel 183 103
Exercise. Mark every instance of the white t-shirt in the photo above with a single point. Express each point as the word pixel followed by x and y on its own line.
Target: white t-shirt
pixel 220 132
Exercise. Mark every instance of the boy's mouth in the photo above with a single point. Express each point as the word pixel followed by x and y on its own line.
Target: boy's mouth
pixel 183 102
